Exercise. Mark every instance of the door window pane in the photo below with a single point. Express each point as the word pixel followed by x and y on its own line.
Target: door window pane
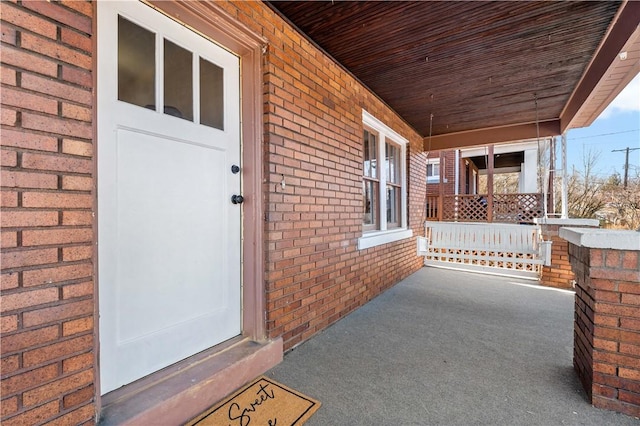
pixel 178 81
pixel 136 64
pixel 211 95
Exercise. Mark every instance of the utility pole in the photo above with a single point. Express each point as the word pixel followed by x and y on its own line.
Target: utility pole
pixel 626 163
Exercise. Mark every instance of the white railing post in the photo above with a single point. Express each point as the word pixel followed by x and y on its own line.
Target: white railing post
pixel 565 191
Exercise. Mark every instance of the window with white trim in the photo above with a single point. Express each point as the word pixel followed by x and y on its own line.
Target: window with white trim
pixel 433 170
pixel 384 187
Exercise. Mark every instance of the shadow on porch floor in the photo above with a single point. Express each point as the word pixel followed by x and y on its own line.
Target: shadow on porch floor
pixel 448 347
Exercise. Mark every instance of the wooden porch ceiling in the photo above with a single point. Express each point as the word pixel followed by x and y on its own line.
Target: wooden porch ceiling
pixel 479 67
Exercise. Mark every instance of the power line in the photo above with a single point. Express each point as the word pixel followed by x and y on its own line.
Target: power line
pixel 606 134
pixel 600 143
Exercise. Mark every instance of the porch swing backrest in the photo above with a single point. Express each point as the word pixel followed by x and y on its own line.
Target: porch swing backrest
pixel 522 239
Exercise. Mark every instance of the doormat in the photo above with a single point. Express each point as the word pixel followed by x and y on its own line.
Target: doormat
pixel 262 402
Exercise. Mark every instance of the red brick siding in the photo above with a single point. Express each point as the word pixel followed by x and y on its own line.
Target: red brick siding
pixel 559 273
pixel 449 184
pixel 607 326
pixel 313 137
pixel 47 177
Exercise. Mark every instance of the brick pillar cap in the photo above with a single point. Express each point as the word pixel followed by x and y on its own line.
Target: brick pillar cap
pixel 602 238
pixel 595 223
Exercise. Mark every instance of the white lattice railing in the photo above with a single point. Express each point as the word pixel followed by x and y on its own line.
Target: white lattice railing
pixel 493 248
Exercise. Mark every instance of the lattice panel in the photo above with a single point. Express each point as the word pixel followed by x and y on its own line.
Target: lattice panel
pixel 517 208
pixel 507 208
pixel 464 208
pixel 449 208
pixel 494 259
pixel 472 208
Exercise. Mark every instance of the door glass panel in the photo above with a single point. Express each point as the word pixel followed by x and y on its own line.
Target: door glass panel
pixel 136 64
pixel 211 95
pixel 178 81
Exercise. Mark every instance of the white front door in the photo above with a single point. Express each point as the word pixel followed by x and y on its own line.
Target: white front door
pixel 169 234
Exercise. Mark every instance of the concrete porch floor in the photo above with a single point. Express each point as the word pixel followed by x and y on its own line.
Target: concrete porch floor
pixel 448 347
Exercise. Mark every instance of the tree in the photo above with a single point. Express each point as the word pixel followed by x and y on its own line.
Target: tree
pixel 584 189
pixel 591 196
pixel 503 183
pixel 623 206
pixel 614 180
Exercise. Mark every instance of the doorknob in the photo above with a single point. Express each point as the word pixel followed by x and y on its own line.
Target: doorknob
pixel 235 169
pixel 237 199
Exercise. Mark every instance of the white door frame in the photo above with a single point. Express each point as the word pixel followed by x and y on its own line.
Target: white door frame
pixel 250 47
pixel 170 234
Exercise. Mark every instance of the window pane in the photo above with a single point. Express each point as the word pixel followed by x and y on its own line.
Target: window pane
pixel 136 64
pixel 393 206
pixel 370 191
pixel 211 95
pixel 178 81
pixel 370 154
pixel 433 170
pixel 392 163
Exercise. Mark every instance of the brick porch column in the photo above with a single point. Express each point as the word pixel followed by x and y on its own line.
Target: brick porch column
pixel 606 352
pixel 559 273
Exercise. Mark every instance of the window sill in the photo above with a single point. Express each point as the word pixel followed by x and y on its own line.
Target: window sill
pixel 383 237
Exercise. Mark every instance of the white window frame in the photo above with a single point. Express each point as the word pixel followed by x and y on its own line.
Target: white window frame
pixel 383 235
pixel 433 178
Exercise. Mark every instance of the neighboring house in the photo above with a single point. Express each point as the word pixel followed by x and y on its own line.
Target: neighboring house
pixel 198 182
pixel 453 179
pixel 463 167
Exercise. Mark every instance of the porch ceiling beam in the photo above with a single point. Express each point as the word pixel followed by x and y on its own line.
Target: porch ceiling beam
pixel 499 170
pixel 625 23
pixel 491 135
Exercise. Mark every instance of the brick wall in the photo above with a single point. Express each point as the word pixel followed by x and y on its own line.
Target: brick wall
pixel 313 137
pixel 607 326
pixel 449 173
pixel 584 321
pixel 47 180
pixel 559 273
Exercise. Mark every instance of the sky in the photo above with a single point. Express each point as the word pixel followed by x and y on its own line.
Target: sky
pixel 617 127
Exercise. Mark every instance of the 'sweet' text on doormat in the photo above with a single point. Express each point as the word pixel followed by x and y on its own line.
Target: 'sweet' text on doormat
pixel 262 402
